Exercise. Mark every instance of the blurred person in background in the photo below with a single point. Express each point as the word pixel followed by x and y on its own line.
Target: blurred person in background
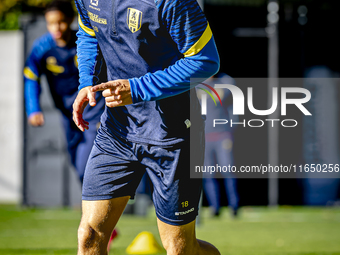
pixel 54 55
pixel 219 148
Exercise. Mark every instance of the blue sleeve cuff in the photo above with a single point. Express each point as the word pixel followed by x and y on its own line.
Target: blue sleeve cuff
pixel 85 83
pixel 133 88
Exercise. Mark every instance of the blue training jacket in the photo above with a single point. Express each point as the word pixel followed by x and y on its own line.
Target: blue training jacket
pixel 59 64
pixel 159 45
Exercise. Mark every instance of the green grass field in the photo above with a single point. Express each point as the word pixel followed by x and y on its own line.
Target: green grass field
pixel 258 230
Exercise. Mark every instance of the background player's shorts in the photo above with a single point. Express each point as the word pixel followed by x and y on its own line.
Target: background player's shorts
pixel 116 166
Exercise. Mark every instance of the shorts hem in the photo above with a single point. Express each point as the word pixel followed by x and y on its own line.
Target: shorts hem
pixel 176 222
pixel 105 197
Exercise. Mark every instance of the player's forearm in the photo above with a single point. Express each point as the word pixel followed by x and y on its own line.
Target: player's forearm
pixel 176 79
pixel 86 55
pixel 32 93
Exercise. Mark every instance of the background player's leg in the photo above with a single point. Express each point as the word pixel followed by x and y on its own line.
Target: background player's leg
pixel 232 194
pixel 212 192
pixel 225 157
pixel 84 147
pixel 211 186
pixel 181 240
pixel 97 223
pixel 73 137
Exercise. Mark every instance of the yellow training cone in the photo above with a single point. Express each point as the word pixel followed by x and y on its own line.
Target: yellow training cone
pixel 144 243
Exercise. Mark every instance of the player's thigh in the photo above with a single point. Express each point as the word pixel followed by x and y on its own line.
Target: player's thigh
pixel 111 171
pixel 175 195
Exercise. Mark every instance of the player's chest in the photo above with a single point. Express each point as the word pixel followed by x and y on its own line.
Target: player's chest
pixel 121 17
pixel 60 61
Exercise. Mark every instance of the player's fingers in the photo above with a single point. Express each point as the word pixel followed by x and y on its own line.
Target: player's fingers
pixel 77 104
pixel 107 93
pixel 82 126
pixel 92 98
pixel 117 90
pixel 114 103
pixel 41 120
pixel 122 86
pixel 34 122
pixel 75 118
pixel 103 86
pixel 112 98
pixel 84 122
pixel 79 121
pixel 85 126
pixel 36 119
pixel 82 99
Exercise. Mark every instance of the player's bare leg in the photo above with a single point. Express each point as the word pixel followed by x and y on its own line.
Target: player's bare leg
pixel 97 223
pixel 181 240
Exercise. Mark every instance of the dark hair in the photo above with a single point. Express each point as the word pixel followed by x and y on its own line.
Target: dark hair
pixel 61 5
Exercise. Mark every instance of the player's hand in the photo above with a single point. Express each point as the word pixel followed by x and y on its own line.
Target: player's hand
pixel 36 119
pixel 116 93
pixel 85 96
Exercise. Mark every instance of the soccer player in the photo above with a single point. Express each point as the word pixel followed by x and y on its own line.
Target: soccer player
pixel 54 55
pixel 152 49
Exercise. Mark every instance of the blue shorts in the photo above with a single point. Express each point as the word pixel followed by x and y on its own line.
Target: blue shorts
pixel 116 166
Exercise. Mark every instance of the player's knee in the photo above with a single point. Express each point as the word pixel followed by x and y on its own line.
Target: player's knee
pixel 177 247
pixel 87 236
pixel 173 250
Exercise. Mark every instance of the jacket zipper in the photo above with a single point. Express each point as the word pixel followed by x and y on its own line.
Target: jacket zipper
pixel 114 30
